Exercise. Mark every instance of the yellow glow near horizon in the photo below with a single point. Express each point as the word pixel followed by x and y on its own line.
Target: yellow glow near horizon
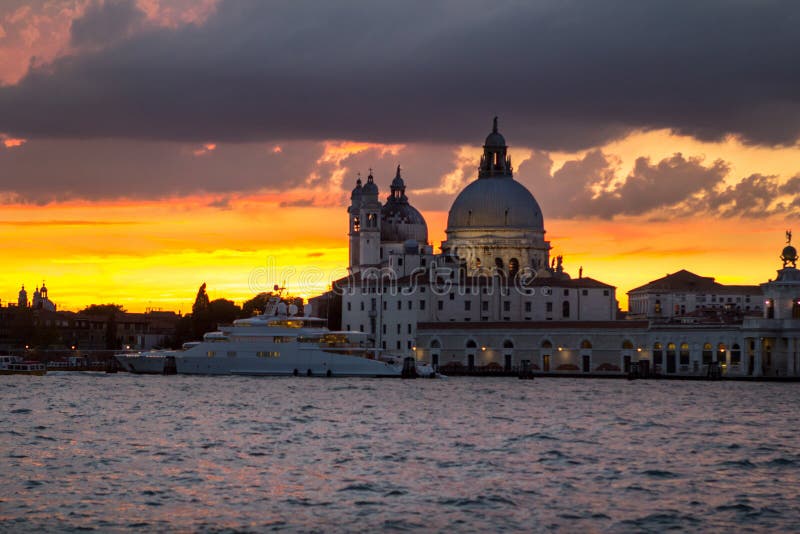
pixel 156 253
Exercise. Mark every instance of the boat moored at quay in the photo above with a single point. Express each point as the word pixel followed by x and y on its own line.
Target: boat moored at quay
pixel 14 365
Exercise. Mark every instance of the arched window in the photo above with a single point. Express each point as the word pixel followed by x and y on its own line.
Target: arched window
pixel 721 352
pixel 658 306
pixel 658 353
pixel 586 344
pixel 706 353
pixel 436 344
pixel 565 309
pixel 513 266
pixel 684 354
pixel 546 344
pixel 477 263
pixel 736 354
pixel 498 262
pixel 670 350
pixel 508 344
pixel 471 344
pixel 770 304
pixel 627 344
pixel 796 308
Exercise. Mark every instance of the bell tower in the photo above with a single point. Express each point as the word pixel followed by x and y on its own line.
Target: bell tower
pixel 354 213
pixel 370 224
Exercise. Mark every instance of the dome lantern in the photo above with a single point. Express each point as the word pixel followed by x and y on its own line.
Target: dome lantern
pixel 495 161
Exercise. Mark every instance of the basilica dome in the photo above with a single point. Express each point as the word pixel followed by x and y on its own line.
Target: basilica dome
pixel 493 203
pixel 400 221
pixel 495 199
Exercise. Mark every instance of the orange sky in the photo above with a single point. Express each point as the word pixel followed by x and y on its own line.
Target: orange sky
pixel 156 252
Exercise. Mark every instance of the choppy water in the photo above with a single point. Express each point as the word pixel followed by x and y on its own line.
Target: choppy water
pixel 122 452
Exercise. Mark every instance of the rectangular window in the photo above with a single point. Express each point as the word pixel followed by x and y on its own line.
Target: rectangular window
pixel 398 328
pixel 605 292
pixel 348 328
pixel 566 292
pixel 585 292
pixel 528 306
pixel 383 344
pixel 410 305
pixel 422 305
pixel 384 328
pixel 441 305
pixel 548 306
pixel 399 305
pixel 409 328
pixel 467 305
pixel 361 328
pixel 398 345
pixel 210 353
pixel 452 296
pixel 362 305
pixel 384 305
pixel 506 305
pixel 485 305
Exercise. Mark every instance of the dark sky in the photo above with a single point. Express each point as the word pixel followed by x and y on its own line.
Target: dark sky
pixel 571 74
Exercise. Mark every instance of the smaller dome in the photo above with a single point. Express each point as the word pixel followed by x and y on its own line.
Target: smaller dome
pixel 401 222
pixel 789 252
pixel 369 188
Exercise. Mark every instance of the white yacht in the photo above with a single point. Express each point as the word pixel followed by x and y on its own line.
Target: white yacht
pixel 278 343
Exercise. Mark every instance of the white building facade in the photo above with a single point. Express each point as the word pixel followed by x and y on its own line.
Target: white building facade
pixel 493 299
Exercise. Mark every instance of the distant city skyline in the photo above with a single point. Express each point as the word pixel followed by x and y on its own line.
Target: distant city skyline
pixel 148 147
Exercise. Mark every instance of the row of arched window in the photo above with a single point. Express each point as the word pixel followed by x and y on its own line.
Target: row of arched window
pixel 710 353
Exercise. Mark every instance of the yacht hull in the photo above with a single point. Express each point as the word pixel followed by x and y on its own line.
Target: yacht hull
pixel 300 363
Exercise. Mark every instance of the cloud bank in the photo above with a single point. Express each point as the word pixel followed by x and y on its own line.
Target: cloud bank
pixel 565 74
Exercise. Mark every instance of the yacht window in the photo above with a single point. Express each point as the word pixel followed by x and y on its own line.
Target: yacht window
pixel 231 353
pixel 210 354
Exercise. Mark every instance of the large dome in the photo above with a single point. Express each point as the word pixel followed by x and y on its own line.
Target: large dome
pixel 495 199
pixel 495 203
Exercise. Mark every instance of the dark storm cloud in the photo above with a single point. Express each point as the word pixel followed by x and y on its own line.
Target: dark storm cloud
pixel 55 170
pixel 562 74
pixel 587 187
pixel 106 22
pixel 673 187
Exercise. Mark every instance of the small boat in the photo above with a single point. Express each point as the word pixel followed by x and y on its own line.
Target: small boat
pixel 73 363
pixel 14 365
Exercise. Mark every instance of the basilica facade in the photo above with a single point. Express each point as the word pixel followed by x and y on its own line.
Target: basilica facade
pixel 494 299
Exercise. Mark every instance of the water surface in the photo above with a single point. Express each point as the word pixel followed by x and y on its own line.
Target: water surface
pixel 177 453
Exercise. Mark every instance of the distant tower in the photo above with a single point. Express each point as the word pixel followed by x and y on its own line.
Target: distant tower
pixel 43 292
pixel 354 212
pixel 22 300
pixel 37 299
pixel 370 217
